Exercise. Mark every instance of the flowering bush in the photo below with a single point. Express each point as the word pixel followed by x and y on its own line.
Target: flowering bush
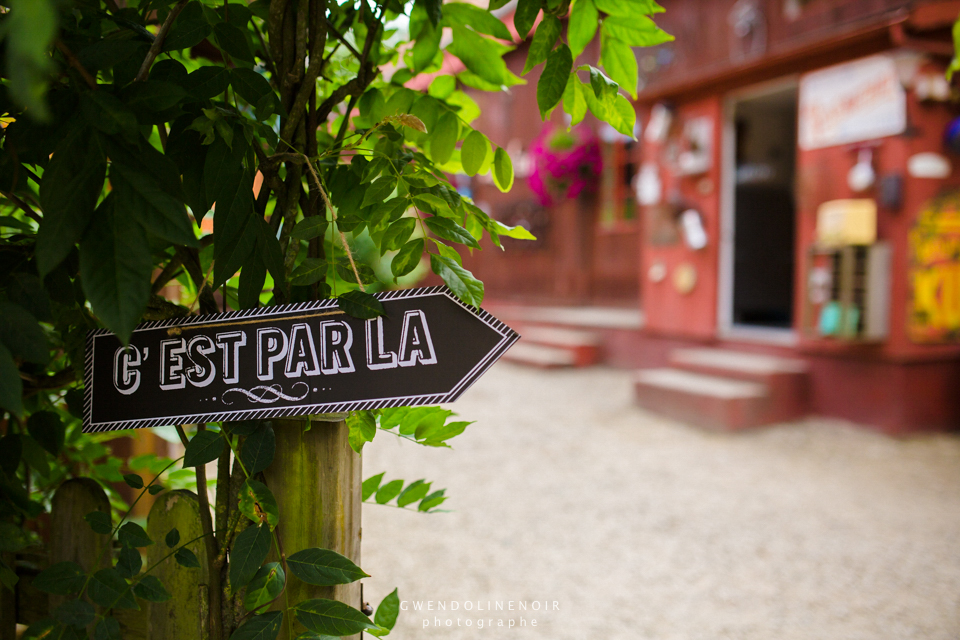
pixel 564 163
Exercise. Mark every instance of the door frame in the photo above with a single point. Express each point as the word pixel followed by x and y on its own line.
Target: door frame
pixel 726 327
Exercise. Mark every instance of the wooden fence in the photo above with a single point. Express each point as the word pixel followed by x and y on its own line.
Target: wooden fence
pixel 317 490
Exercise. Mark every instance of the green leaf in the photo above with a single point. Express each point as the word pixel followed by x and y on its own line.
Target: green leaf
pixel 502 170
pixel 389 491
pixel 323 567
pixel 61 579
pixel 133 535
pixel 251 86
pixel 203 448
pixel 480 55
pixel 107 629
pixel 48 430
pixel 517 232
pixel 443 140
pixel 442 87
pixel 107 588
pixel 636 31
pixel 360 305
pixel 573 101
pixel 31 29
pixel 154 489
pixel 525 16
pixel 258 504
pixel 75 613
pixel 172 538
pixel 129 562
pixel 603 87
pixel 433 500
pixel 377 191
pixel 189 29
pixel 235 228
pixel 11 386
pixel 634 9
pixel 543 40
pixel 140 196
pixel 266 585
pixel 263 627
pixel 115 268
pixel 582 25
pixel 433 8
pixel 309 228
pixel 108 114
pixel 437 435
pixel 450 230
pixel 620 62
pixel 133 481
pixel 622 116
pixel 207 82
pixel 99 522
pixel 554 78
pixel 387 611
pixel 363 428
pixel 21 334
pixel 8 577
pixel 467 15
pixel 460 281
pixel 407 258
pixel 331 617
pixel 186 558
pixel 309 271
pixel 474 152
pixel 426 47
pixel 12 537
pixel 414 492
pixel 258 449
pixel 152 96
pixel 68 195
pixel 250 549
pixel 232 40
pixel 150 588
pixel 370 486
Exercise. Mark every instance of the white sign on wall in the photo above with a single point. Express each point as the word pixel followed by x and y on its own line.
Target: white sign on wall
pixel 851 102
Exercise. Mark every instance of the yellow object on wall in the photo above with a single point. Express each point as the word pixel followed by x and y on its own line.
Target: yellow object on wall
pixel 846 222
pixel 935 272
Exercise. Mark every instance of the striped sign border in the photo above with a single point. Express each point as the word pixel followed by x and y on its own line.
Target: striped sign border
pixel 507 337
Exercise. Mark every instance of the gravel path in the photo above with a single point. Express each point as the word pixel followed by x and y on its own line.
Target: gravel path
pixel 639 527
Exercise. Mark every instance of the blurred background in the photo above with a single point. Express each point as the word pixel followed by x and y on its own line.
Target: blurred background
pixel 733 409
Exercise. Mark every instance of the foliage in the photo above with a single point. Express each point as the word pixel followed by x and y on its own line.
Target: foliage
pixel 127 124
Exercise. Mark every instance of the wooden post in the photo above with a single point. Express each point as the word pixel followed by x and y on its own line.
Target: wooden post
pixel 8 605
pixel 71 538
pixel 316 480
pixel 179 617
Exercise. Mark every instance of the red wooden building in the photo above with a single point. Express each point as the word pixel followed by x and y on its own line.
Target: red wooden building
pixel 787 221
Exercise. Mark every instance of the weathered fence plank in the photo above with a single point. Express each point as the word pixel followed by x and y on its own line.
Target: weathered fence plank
pixel 71 538
pixel 316 480
pixel 180 616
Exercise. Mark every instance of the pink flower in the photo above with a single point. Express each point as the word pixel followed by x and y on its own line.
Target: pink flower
pixel 565 163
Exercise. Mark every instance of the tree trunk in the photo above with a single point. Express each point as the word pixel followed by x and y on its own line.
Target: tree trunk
pixel 316 480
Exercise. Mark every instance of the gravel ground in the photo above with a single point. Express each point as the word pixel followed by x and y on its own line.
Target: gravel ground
pixel 639 527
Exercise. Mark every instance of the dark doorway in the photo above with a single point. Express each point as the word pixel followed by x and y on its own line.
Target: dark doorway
pixel 765 209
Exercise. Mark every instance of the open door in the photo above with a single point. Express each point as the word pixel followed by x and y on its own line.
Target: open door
pixel 761 222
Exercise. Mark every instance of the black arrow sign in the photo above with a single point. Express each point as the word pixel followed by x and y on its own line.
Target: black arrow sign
pixel 290 360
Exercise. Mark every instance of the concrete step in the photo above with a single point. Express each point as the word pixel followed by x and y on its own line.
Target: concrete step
pixel 539 355
pixel 586 346
pixel 787 379
pixel 712 402
pixel 752 366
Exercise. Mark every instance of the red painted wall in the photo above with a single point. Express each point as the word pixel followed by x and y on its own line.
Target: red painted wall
pixel 666 310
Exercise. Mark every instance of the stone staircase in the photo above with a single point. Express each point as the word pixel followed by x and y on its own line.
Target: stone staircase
pixel 553 347
pixel 725 390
